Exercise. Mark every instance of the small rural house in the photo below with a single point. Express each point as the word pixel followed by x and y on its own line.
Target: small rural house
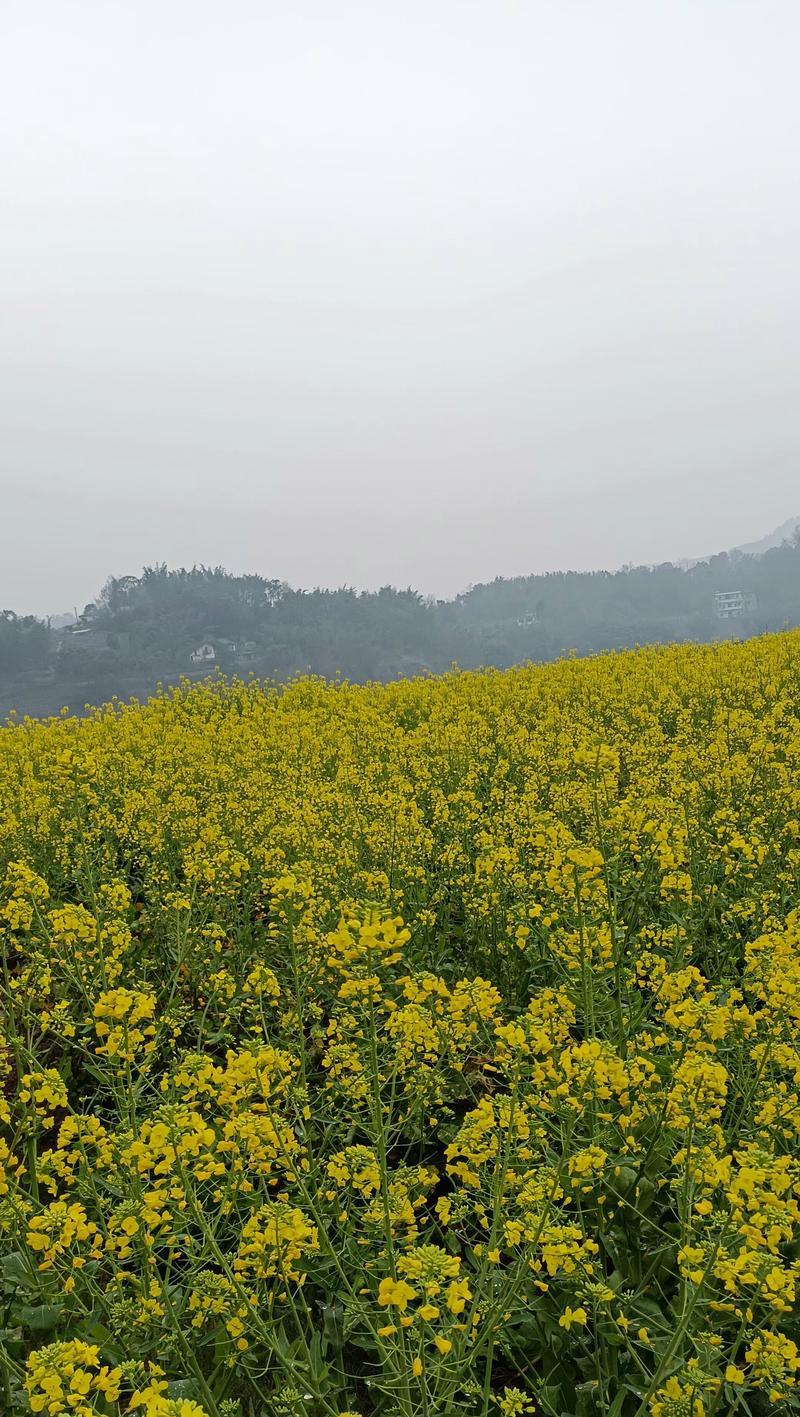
pixel 733 604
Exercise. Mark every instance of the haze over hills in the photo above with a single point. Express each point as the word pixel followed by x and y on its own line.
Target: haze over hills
pixel 784 532
pixel 165 624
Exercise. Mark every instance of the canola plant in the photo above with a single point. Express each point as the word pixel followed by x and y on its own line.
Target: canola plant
pixel 407 1050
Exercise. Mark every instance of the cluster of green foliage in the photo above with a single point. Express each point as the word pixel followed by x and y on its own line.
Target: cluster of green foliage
pixel 24 642
pixel 144 628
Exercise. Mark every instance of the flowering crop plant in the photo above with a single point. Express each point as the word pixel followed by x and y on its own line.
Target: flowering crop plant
pixel 407 1050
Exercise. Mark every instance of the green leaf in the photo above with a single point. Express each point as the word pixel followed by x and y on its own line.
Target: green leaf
pixel 101 1335
pixel 617 1406
pixel 333 1323
pixel 549 1397
pixel 182 1387
pixel 15 1270
pixel 317 1367
pixel 40 1318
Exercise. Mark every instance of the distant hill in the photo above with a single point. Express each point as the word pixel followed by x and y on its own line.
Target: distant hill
pixel 785 532
pixel 781 536
pixel 167 623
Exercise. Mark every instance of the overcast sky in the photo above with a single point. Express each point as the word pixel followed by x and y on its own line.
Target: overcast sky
pixel 351 291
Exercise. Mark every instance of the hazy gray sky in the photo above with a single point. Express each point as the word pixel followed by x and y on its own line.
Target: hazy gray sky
pixel 357 291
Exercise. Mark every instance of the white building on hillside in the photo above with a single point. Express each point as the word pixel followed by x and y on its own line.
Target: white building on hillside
pixel 733 604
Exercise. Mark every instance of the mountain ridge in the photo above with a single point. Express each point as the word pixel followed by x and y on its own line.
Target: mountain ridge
pixel 785 532
pixel 782 534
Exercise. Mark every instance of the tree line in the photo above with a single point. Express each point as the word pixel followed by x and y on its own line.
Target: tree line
pixel 144 629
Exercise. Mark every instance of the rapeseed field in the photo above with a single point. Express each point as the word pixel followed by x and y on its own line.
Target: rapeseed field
pixel 411 1050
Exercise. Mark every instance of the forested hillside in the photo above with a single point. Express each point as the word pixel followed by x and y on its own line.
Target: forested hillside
pixel 165 623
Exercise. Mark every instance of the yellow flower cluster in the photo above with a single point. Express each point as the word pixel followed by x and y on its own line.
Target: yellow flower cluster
pixel 68 1378
pixel 118 1015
